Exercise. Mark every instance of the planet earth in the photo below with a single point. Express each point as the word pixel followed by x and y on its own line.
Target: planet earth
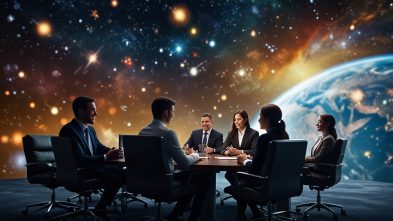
pixel 359 94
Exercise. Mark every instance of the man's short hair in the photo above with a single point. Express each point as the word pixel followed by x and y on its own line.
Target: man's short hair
pixel 81 102
pixel 160 105
pixel 209 115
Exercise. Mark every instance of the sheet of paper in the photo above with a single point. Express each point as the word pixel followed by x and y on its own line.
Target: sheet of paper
pixel 226 158
pixel 204 157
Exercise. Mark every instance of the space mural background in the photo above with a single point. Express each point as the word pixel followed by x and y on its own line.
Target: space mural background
pixel 210 56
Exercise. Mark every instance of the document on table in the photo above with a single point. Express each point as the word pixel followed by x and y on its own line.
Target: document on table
pixel 226 158
pixel 204 157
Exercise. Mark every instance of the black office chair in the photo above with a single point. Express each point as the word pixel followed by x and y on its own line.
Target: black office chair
pixel 41 169
pixel 154 179
pixel 281 177
pixel 322 176
pixel 73 177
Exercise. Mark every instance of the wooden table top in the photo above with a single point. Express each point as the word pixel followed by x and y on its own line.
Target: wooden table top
pixel 212 162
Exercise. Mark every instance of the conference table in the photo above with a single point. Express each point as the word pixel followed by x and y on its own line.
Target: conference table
pixel 211 165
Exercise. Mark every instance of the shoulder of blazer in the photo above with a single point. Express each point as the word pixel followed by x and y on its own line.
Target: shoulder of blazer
pixel 215 133
pixel 329 137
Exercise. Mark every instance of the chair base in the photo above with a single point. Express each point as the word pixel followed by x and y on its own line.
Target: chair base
pixel 78 213
pixel 225 198
pixel 279 215
pixel 319 206
pixel 50 205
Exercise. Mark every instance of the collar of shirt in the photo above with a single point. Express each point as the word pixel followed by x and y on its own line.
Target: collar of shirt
pixel 241 132
pixel 81 125
pixel 208 132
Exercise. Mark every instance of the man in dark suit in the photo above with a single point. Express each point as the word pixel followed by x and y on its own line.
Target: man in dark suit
pixel 90 152
pixel 210 138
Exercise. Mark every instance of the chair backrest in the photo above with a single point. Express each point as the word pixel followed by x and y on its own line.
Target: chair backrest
pixel 66 164
pixel 284 168
pixel 334 172
pixel 147 170
pixel 38 148
pixel 38 151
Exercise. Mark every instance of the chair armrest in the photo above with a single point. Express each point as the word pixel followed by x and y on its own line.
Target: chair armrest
pixel 43 164
pixel 248 175
pixel 39 167
pixel 180 171
pixel 240 178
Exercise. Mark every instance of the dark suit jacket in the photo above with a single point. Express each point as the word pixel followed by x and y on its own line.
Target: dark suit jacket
pixel 74 131
pixel 248 144
pixel 322 153
pixel 255 166
pixel 215 139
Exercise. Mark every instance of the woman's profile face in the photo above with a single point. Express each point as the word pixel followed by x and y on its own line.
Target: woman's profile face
pixel 239 121
pixel 262 122
pixel 321 125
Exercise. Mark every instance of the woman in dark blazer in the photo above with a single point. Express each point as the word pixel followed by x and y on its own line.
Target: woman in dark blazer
pixel 269 120
pixel 322 150
pixel 241 131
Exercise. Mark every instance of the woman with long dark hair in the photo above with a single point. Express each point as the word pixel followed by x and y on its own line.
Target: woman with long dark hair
pixel 322 150
pixel 269 120
pixel 242 138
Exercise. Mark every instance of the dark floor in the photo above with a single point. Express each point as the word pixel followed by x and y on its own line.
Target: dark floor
pixel 362 200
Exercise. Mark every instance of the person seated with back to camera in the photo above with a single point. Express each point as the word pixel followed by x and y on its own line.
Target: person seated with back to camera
pixel 270 119
pixel 163 110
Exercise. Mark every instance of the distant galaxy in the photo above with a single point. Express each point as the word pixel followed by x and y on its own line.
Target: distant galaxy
pixel 210 56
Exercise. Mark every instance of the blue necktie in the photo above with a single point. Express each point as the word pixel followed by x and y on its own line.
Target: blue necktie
pixel 88 141
pixel 204 141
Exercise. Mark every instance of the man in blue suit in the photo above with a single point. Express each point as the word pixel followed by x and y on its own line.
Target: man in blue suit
pixel 210 138
pixel 90 152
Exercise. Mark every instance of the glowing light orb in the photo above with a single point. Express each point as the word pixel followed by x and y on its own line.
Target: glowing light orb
pixel 114 3
pixel 180 15
pixel 54 110
pixel 7 93
pixel 242 73
pixel 212 43
pixel 4 139
pixel 143 89
pixel 63 121
pixel 352 27
pixel 44 29
pixel 193 71
pixel 112 111
pixel 95 14
pixel 17 138
pixel 127 61
pixel 253 33
pixel 219 115
pixel 357 96
pixel 128 124
pixel 179 49
pixel 367 154
pixel 193 31
pixel 92 58
pixel 224 97
pixel 21 74
pixel 32 105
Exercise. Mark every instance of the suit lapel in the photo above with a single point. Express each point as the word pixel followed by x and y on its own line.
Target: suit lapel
pixel 245 137
pixel 80 133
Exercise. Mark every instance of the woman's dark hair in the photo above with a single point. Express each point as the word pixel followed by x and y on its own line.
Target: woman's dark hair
pixel 244 115
pixel 329 119
pixel 274 114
